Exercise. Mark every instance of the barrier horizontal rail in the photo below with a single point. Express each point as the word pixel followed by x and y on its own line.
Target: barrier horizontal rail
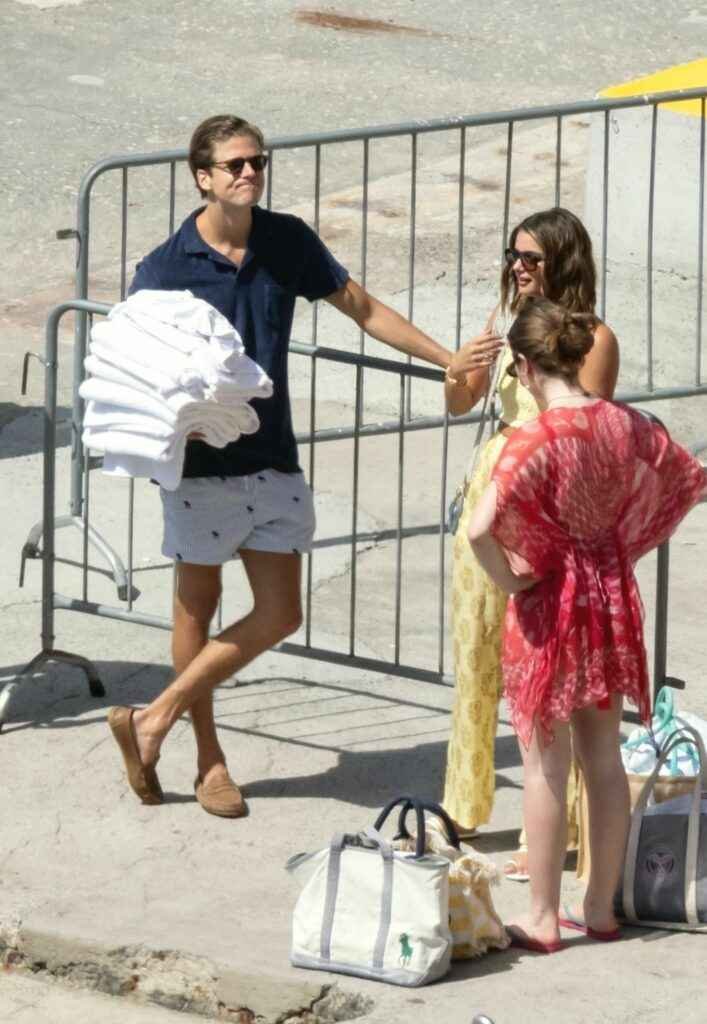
pixel 53 601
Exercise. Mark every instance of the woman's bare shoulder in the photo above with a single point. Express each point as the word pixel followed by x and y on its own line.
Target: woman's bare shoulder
pixel 604 336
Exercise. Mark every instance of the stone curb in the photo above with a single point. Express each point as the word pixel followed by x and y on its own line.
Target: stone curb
pixel 175 980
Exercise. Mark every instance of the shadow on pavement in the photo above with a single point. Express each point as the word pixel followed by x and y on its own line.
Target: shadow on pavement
pixel 22 429
pixel 57 698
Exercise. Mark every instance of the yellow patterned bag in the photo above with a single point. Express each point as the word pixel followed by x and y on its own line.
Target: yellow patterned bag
pixel 476 927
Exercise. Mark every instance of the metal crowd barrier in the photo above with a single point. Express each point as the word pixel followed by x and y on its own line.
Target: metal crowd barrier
pixel 52 600
pixel 459 130
pixel 456 134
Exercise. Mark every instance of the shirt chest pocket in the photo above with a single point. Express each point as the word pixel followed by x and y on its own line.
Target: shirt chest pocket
pixel 278 305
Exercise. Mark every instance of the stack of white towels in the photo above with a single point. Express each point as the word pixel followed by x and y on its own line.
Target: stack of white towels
pixel 162 366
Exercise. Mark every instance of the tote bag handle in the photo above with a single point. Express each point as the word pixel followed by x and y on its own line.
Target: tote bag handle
pixel 432 808
pixel 408 803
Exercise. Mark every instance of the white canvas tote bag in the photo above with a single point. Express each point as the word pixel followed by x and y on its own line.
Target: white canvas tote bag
pixel 372 911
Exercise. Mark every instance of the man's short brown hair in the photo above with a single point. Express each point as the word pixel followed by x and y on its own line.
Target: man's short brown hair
pixel 217 129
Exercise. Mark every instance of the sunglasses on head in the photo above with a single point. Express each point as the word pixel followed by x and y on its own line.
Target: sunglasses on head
pixel 530 260
pixel 235 166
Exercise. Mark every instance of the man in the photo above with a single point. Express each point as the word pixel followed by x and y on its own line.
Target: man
pixel 249 498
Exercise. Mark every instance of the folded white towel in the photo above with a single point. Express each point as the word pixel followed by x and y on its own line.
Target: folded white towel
pixel 104 416
pixel 180 310
pixel 208 369
pixel 166 474
pixel 145 347
pixel 127 396
pixel 244 380
pixel 179 412
pixel 153 378
pixel 166 366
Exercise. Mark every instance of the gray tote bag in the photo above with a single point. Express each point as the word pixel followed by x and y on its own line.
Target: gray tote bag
pixel 664 882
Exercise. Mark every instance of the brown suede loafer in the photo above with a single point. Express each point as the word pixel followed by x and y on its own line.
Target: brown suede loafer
pixel 142 778
pixel 221 797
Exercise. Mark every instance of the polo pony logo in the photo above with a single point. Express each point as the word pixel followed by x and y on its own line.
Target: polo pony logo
pixel 660 862
pixel 405 949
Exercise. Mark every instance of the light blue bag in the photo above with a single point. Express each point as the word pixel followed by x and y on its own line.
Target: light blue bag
pixel 641 750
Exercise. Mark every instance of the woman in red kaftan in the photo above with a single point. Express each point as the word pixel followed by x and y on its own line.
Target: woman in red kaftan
pixel 578 495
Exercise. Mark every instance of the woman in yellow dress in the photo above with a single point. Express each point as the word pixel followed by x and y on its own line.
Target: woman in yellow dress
pixel 550 254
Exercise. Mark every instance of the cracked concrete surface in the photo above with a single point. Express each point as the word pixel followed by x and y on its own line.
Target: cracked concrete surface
pixel 91 883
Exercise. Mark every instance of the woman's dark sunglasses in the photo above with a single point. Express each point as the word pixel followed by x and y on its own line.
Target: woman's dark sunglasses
pixel 235 167
pixel 530 260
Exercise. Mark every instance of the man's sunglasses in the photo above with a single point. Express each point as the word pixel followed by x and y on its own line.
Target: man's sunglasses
pixel 530 260
pixel 235 166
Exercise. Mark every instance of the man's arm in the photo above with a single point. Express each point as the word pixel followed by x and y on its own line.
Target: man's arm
pixel 488 551
pixel 384 324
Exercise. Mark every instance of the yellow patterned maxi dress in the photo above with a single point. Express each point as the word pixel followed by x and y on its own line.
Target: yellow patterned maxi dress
pixel 478 608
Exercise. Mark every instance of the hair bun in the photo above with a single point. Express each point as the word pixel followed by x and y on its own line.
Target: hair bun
pixel 573 337
pixel 551 337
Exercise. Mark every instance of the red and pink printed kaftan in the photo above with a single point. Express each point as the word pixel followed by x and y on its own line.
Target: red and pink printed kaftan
pixel 583 493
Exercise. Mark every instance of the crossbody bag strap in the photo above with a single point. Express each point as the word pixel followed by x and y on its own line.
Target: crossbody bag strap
pixel 489 398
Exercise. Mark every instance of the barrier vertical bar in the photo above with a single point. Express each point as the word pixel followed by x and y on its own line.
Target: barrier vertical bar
pixel 123 233
pixel 172 194
pixel 558 159
pixel 51 370
pixel 313 398
pixel 85 523
pixel 83 221
pixel 605 216
pixel 131 538
pixel 507 195
pixel 460 237
pixel 271 171
pixel 399 528
pixel 364 229
pixel 700 246
pixel 354 513
pixel 649 262
pixel 441 590
pixel 660 652
pixel 411 257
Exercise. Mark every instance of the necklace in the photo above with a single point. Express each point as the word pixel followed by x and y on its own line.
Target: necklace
pixel 566 398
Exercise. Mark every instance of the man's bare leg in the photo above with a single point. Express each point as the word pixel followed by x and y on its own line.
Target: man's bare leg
pixel 276 613
pixel 195 602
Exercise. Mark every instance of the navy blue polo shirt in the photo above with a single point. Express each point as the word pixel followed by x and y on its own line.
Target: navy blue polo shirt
pixel 284 259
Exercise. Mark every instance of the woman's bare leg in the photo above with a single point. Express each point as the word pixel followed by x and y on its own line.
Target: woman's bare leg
pixel 545 772
pixel 596 737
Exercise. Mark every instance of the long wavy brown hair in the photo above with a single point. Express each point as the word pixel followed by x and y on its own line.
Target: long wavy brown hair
pixel 569 271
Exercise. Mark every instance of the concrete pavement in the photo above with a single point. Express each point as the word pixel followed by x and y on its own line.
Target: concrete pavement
pixel 172 906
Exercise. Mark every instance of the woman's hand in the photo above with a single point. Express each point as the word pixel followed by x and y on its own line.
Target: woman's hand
pixel 468 373
pixel 477 354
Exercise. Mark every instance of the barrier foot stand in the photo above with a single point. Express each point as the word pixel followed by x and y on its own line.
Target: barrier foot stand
pixel 32 549
pixel 95 685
